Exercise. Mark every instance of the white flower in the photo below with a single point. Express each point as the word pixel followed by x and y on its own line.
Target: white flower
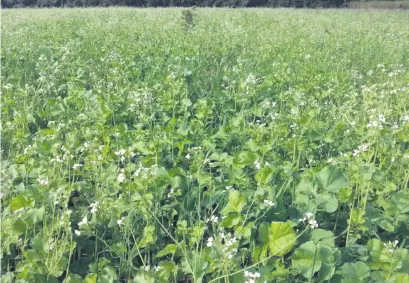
pixel 78 233
pixel 313 223
pixel 257 165
pixel 309 215
pixel 257 275
pixel 381 118
pixel 43 182
pixel 94 207
pixel 209 242
pixel 121 176
pixel 188 156
pixel 83 222
pixel 269 203
pixel 214 219
pixel 146 268
pixel 119 221
pixel 229 188
pixel 120 152
pixel 156 268
pixel 363 147
pixel 76 166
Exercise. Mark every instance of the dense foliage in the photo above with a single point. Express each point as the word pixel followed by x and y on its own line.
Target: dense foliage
pixel 174 3
pixel 161 145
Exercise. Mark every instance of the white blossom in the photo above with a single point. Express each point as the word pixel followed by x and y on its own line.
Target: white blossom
pixel 83 222
pixel 269 203
pixel 42 181
pixel 121 176
pixel 257 165
pixel 119 221
pixel 78 233
pixel 94 207
pixel 76 166
pixel 209 242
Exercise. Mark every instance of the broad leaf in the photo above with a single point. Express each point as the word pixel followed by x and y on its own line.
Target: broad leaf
pixel 281 238
pixel 330 179
pixel 355 272
pixel 305 259
pixel 235 203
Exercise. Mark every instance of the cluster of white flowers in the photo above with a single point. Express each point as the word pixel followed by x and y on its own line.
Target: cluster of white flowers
pixel 391 246
pixel 214 219
pixel 268 103
pixel 121 177
pixel 42 181
pixel 257 165
pixel 309 217
pixel 148 267
pixel 94 207
pixel 376 123
pixel 252 277
pixel 210 241
pixel 362 148
pixel 269 203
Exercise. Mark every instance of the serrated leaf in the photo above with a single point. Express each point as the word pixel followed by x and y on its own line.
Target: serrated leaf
pixel 355 272
pixel 330 179
pixel 323 236
pixel 167 269
pixel 305 259
pixel 281 238
pixel 328 201
pixel 231 220
pixel 236 202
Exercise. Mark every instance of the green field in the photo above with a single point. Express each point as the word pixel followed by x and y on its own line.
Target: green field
pixel 211 145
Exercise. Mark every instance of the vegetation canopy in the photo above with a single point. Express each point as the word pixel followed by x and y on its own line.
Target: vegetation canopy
pixel 204 145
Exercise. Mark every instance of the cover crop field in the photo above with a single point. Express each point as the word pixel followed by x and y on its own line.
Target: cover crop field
pixel 210 145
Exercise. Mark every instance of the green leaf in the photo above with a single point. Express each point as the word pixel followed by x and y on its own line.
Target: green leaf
pixel 328 201
pixel 305 259
pixel 20 201
pixel 143 277
pixel 323 236
pixel 147 237
pixel 236 203
pixel 169 249
pixel 281 238
pixel 231 220
pixel 91 278
pixel 355 272
pixel 306 187
pixel 326 271
pixel 73 278
pixel 264 176
pixel 167 270
pixel 330 179
pixel 401 278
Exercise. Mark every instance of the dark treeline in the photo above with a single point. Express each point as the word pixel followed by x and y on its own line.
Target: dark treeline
pixel 174 3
